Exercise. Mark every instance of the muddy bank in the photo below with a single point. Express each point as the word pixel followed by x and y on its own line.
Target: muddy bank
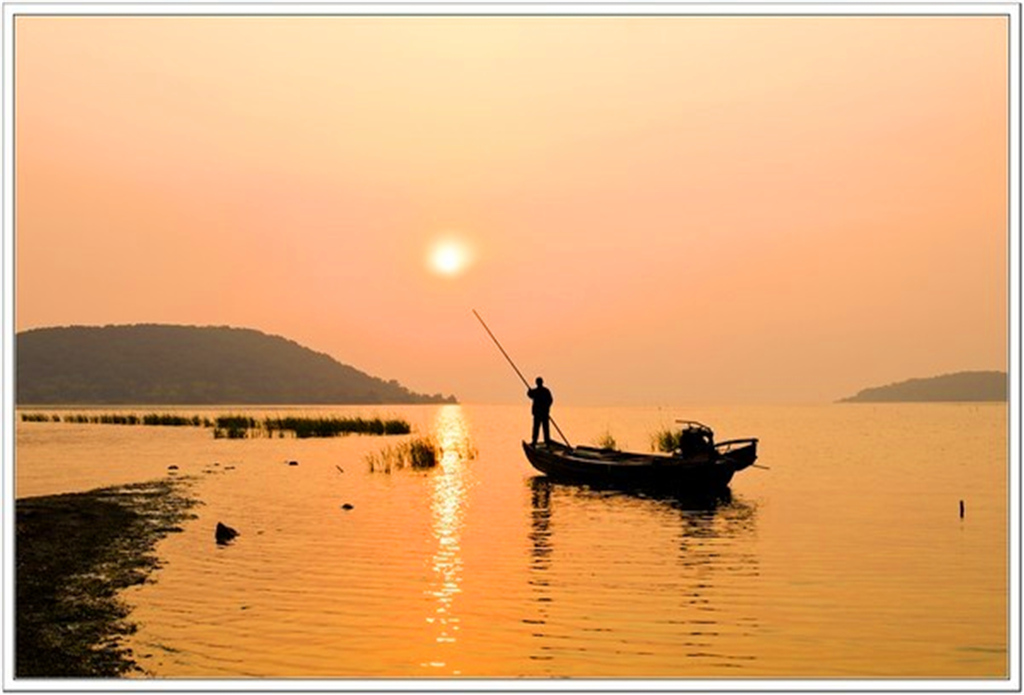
pixel 74 553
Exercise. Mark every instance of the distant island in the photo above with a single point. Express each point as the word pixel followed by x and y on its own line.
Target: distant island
pixel 189 365
pixel 961 386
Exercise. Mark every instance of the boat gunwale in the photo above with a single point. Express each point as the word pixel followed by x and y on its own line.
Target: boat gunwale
pixel 630 460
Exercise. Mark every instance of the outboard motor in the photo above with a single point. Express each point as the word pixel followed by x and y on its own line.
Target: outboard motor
pixel 696 439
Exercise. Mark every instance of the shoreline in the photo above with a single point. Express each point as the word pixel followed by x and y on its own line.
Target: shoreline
pixel 75 553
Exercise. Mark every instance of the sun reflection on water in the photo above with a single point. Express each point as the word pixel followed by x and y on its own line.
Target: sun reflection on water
pixel 448 508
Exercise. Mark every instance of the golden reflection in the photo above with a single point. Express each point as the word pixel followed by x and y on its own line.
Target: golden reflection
pixel 448 507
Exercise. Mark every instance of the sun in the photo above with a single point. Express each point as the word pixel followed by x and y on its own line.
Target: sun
pixel 449 257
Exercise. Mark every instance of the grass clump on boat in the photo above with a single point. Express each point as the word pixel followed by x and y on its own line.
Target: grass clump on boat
pixel 666 440
pixel 332 427
pixel 419 453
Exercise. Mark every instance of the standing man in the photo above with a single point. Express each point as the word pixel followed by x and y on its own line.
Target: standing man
pixel 542 400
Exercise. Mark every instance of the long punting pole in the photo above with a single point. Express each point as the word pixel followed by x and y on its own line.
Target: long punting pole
pixel 521 377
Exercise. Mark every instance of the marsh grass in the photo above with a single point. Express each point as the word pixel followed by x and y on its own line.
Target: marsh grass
pixel 242 426
pixel 333 427
pixel 418 453
pixel 230 433
pixel 465 450
pixel 150 419
pixel 236 422
pixel 233 426
pixel 171 421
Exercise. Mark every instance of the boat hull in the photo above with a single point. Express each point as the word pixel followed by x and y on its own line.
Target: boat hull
pixel 610 468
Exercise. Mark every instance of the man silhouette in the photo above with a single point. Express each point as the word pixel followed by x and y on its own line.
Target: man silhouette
pixel 542 400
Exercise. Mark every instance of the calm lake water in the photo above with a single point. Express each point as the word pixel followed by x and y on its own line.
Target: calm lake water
pixel 847 559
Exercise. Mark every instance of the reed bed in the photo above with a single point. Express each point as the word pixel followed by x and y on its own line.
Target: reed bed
pixel 419 453
pixel 240 422
pixel 233 426
pixel 464 449
pixel 39 417
pixel 151 419
pixel 333 427
pixel 606 441
pixel 174 421
pixel 241 426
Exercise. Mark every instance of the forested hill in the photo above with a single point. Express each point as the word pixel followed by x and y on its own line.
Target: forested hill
pixel 163 364
pixel 961 386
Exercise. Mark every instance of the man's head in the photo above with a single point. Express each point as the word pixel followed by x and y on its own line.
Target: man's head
pixel 540 381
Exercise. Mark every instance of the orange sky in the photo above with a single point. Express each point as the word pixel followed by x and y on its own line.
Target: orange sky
pixel 661 210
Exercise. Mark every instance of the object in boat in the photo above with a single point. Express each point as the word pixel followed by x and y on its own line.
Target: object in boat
pixel 698 464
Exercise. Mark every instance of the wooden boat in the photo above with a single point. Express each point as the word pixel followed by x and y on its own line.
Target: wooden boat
pixel 699 464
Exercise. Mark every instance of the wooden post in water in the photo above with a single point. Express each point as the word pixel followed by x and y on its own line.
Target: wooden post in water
pixel 961 509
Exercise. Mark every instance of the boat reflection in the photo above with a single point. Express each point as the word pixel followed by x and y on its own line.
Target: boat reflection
pixel 448 507
pixel 711 561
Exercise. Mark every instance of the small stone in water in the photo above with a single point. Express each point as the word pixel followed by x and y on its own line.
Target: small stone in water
pixel 224 534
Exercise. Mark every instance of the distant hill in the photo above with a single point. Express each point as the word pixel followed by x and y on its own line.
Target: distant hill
pixel 961 386
pixel 163 364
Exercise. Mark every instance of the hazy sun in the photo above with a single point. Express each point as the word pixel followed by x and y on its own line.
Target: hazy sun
pixel 449 257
